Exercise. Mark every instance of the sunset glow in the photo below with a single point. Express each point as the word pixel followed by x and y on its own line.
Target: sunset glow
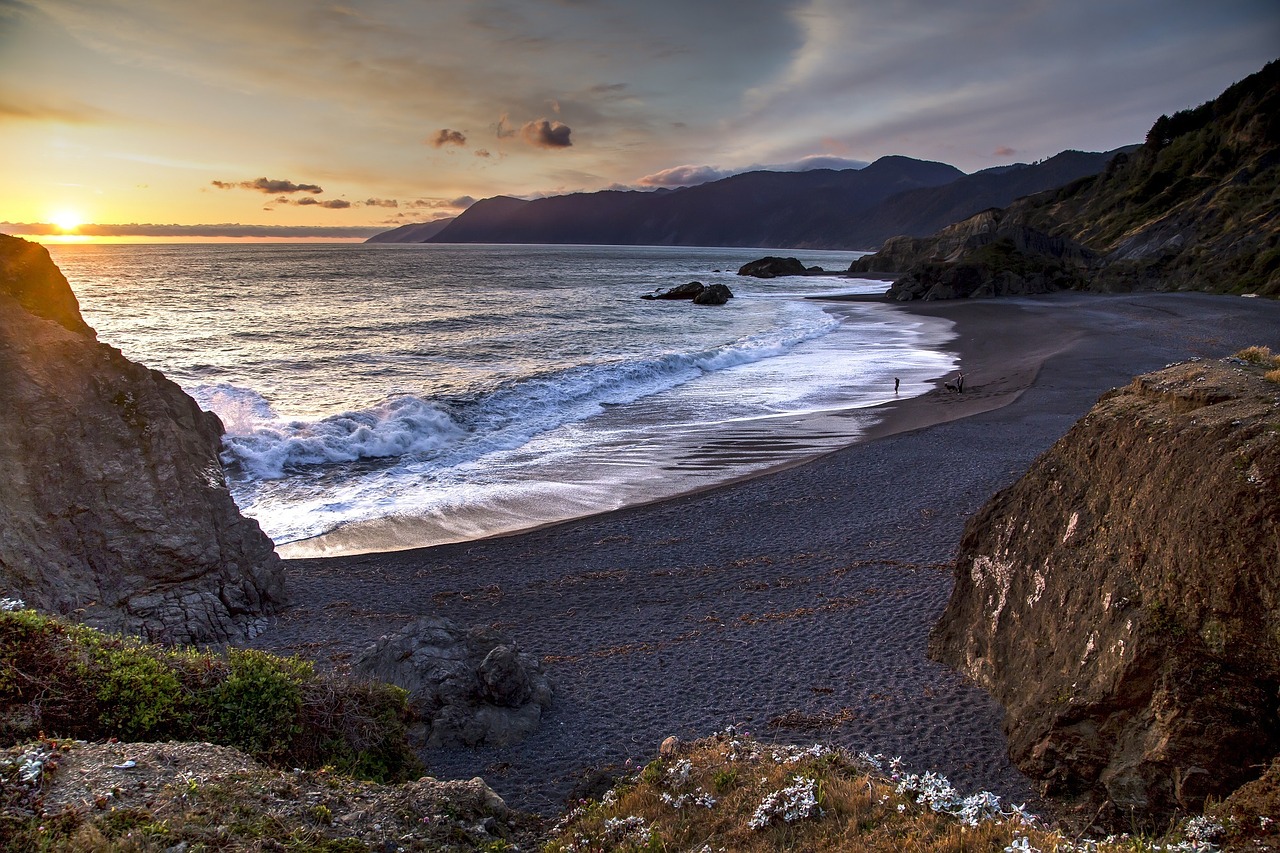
pixel 66 220
pixel 150 120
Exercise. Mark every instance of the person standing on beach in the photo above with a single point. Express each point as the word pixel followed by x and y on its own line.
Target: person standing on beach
pixel 896 382
pixel 960 383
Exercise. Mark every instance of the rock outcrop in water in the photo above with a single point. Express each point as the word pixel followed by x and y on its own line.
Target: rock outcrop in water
pixel 113 508
pixel 1122 599
pixel 772 267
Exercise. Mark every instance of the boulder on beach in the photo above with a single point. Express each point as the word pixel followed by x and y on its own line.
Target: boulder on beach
pixel 1121 599
pixel 771 267
pixel 471 686
pixel 113 508
pixel 680 291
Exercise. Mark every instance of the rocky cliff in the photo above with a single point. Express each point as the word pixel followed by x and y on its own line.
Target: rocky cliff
pixel 114 508
pixel 1122 600
pixel 1193 208
pixel 985 255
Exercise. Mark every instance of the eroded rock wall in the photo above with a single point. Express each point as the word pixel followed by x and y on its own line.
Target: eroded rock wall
pixel 113 508
pixel 1122 600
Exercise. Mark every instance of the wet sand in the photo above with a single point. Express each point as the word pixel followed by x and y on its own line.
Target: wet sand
pixel 795 604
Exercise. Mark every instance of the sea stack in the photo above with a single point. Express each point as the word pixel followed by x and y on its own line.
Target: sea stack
pixel 114 508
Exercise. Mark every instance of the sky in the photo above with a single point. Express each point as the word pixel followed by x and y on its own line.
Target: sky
pixel 282 119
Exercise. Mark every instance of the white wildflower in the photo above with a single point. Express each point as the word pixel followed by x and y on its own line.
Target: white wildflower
pixel 1021 844
pixel 679 773
pixel 1020 814
pixel 1202 830
pixel 979 807
pixel 11 605
pixel 627 830
pixel 797 801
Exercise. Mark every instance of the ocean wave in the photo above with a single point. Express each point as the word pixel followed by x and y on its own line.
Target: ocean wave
pixel 456 429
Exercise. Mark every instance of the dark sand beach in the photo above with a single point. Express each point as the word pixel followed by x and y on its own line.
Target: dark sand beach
pixel 797 604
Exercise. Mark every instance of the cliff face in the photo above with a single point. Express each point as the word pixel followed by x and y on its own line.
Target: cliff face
pixel 985 255
pixel 1193 208
pixel 113 508
pixel 1122 600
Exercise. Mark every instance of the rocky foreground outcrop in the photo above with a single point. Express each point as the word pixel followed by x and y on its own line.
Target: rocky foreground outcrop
pixel 113 507
pixel 470 686
pixel 1122 600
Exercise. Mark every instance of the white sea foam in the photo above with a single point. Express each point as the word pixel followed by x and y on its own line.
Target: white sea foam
pixel 454 430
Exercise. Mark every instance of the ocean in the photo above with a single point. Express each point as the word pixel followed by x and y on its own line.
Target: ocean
pixel 378 397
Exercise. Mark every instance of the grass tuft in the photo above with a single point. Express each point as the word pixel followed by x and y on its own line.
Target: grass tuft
pixel 1259 355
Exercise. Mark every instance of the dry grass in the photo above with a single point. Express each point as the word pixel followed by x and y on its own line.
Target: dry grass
pixel 1263 357
pixel 731 793
pixel 1259 355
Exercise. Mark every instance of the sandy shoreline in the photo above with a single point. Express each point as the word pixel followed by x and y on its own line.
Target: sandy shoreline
pixel 796 604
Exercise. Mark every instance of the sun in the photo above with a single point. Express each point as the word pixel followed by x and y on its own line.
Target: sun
pixel 66 220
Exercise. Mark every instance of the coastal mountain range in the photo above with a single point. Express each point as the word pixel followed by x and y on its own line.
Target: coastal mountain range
pixel 819 209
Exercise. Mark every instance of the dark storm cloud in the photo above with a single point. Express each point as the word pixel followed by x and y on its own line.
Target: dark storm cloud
pixel 542 133
pixel 268 185
pixel 445 136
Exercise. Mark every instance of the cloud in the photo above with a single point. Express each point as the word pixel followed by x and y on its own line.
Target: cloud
pixel 267 185
pixel 541 133
pixel 504 129
pixel 459 203
pixel 483 152
pixel 380 202
pixel 690 175
pixel 332 204
pixel 1004 151
pixel 685 176
pixel 445 136
pixel 221 230
pixel 14 107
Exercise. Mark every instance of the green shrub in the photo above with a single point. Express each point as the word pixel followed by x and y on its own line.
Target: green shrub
pixel 73 681
pixel 138 696
pixel 257 706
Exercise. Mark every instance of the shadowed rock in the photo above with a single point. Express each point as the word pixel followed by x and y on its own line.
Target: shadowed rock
pixel 771 267
pixel 716 294
pixel 471 686
pixel 1121 599
pixel 680 291
pixel 113 507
